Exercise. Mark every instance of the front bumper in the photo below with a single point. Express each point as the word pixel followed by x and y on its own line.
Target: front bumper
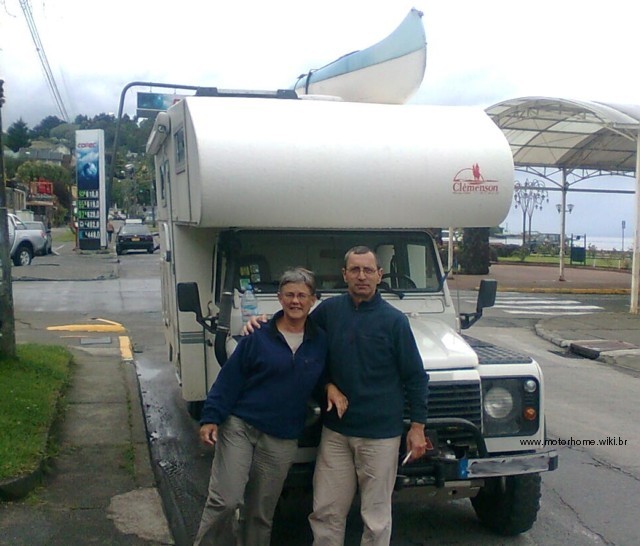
pixel 135 245
pixel 461 453
pixel 437 471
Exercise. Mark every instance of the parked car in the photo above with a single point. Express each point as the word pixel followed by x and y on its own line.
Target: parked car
pixel 134 237
pixel 46 235
pixel 24 243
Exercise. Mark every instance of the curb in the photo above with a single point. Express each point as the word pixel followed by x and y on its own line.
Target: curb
pixel 588 348
pixel 599 291
pixel 13 489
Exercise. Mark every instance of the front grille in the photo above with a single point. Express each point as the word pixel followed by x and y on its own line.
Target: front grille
pixel 461 400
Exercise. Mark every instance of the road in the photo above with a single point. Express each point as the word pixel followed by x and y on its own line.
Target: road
pixel 589 500
pixel 590 493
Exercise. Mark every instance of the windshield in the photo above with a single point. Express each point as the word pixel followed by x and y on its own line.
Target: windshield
pixel 408 257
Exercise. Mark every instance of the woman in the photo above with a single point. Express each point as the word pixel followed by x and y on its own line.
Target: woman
pixel 255 412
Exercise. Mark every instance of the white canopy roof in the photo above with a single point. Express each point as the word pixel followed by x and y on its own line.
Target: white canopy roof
pixel 571 134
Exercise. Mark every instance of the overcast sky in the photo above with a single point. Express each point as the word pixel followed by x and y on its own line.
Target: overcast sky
pixel 478 53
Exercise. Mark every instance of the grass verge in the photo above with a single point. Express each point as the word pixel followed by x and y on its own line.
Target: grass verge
pixel 31 385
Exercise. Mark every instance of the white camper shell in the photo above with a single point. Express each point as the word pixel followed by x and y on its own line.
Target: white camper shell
pixel 249 186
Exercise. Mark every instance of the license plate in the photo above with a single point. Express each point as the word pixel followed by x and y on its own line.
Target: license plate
pixel 135 238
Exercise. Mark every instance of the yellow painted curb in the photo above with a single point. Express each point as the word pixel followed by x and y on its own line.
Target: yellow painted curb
pixel 125 348
pixel 107 326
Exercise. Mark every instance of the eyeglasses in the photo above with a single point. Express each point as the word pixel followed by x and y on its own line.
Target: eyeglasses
pixel 290 296
pixel 368 271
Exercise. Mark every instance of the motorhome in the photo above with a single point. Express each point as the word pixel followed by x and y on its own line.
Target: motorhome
pixel 249 184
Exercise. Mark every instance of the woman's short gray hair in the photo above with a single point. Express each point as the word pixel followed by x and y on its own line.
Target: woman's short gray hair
pixel 298 275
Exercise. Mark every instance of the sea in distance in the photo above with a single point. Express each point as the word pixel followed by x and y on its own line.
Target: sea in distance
pixel 601 242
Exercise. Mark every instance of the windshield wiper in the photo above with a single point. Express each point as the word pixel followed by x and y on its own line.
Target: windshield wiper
pixel 384 286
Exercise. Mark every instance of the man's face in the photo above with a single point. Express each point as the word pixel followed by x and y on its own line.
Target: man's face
pixel 296 300
pixel 362 276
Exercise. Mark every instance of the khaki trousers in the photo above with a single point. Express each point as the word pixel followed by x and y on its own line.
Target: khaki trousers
pixel 247 473
pixel 345 463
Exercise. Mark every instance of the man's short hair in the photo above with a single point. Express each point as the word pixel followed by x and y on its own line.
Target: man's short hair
pixel 361 249
pixel 298 275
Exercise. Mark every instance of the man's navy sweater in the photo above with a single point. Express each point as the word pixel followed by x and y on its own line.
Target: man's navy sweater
pixel 265 384
pixel 373 359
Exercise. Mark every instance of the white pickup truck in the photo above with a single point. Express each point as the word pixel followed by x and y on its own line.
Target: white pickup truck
pixel 25 243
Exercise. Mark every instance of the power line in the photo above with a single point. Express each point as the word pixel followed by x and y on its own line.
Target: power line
pixel 26 9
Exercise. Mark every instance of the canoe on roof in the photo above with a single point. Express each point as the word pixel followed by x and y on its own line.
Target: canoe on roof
pixel 388 72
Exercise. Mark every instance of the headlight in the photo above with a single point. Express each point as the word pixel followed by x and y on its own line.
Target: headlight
pixel 498 403
pixel 511 406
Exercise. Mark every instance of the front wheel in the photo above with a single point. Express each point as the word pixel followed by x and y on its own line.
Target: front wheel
pixel 509 505
pixel 23 255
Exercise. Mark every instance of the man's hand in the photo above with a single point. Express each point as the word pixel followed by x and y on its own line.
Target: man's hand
pixel 209 434
pixel 337 399
pixel 416 441
pixel 254 323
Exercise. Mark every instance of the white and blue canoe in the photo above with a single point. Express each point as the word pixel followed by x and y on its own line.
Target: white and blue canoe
pixel 388 72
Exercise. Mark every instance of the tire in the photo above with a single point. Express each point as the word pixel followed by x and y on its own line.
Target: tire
pixel 509 506
pixel 150 250
pixel 118 251
pixel 23 255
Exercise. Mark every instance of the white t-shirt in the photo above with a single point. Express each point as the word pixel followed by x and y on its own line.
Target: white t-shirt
pixel 293 339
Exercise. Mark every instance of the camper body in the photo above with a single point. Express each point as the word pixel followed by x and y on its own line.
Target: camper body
pixel 248 187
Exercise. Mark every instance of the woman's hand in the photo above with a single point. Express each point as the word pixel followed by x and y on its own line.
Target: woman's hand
pixel 337 399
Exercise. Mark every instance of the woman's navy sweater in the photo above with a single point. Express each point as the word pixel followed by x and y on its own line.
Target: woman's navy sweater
pixel 265 384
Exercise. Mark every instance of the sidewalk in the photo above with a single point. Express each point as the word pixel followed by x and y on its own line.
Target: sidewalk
pixel 99 488
pixel 92 495
pixel 518 277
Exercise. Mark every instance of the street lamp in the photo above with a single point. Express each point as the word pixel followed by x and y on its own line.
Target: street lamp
pixel 529 196
pixel 563 211
pixel 568 209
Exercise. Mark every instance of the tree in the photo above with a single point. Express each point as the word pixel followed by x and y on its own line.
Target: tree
pixel 475 256
pixel 65 133
pixel 43 129
pixel 18 135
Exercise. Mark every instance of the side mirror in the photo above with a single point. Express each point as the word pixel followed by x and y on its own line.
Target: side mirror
pixel 487 294
pixel 486 298
pixel 189 299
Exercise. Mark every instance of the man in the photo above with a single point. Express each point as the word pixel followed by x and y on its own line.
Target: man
pixel 254 414
pixel 373 359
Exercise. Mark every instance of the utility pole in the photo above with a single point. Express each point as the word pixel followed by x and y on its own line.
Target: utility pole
pixel 7 321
